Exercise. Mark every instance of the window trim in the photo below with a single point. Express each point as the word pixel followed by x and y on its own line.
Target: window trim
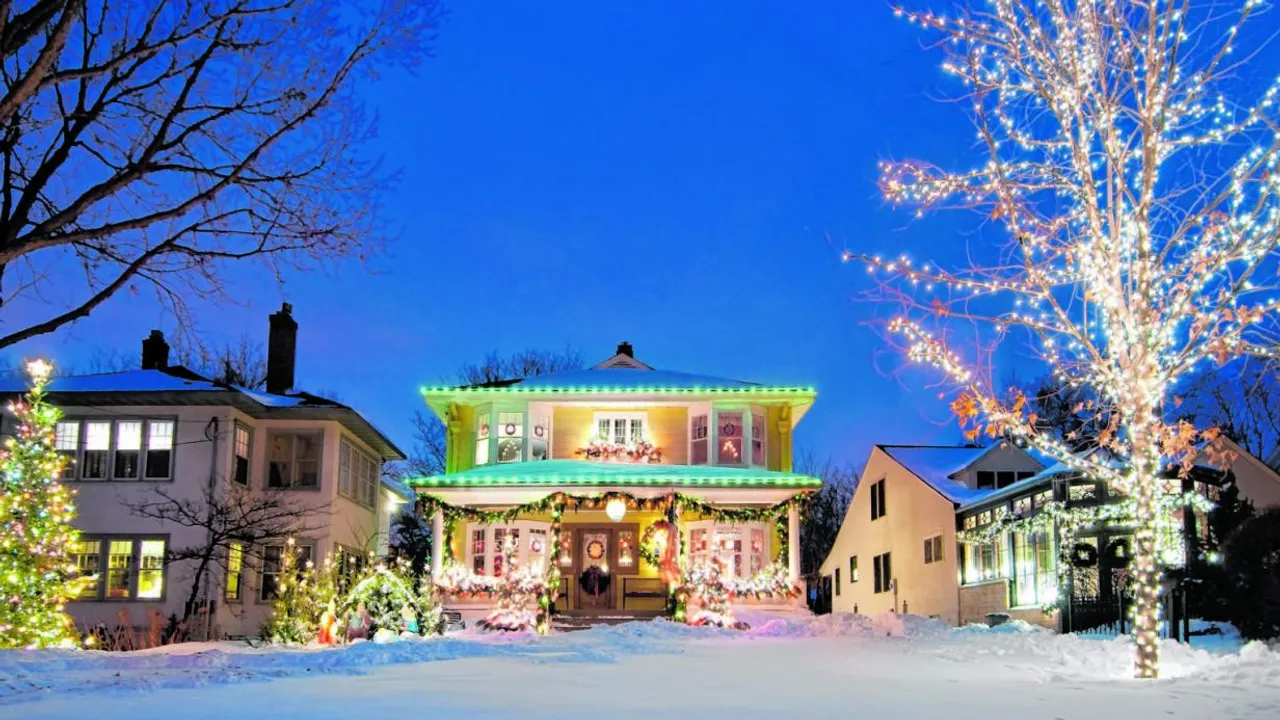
pixel 292 486
pixel 76 457
pixel 104 552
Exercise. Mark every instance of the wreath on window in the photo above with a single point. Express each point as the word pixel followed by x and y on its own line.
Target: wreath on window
pixel 1084 555
pixel 595 549
pixel 660 547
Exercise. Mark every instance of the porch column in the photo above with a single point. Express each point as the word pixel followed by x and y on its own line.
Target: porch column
pixel 793 542
pixel 437 543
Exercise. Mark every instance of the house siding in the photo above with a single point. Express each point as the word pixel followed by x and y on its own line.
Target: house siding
pixel 915 512
pixel 572 426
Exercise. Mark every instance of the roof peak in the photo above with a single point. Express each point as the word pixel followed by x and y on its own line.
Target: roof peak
pixel 623 357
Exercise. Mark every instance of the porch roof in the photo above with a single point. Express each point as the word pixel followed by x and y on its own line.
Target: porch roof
pixel 577 474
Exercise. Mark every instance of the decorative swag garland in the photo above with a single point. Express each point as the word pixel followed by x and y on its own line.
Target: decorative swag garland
pixel 1071 520
pixel 556 503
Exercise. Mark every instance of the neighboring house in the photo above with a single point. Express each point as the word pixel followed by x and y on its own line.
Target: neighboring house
pixel 132 435
pixel 620 427
pixel 899 550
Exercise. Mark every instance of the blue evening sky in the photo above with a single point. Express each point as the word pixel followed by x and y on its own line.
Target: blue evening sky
pixel 679 175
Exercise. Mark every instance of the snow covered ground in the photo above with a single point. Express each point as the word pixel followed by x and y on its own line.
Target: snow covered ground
pixel 823 667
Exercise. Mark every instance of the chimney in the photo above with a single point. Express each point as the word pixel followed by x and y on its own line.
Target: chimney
pixel 155 351
pixel 282 343
pixel 624 348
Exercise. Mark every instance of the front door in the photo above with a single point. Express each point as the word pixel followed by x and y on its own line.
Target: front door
pixel 595 577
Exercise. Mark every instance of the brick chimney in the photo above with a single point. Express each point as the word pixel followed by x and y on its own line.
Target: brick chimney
pixel 282 344
pixel 155 351
pixel 624 348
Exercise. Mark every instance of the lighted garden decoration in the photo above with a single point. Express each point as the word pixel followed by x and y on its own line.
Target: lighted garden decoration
pixel 36 536
pixel 1132 214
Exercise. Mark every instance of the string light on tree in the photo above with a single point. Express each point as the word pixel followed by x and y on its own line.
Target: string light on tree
pixel 1138 209
pixel 36 536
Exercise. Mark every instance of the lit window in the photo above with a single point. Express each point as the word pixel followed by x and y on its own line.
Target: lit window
pixel 97 446
pixel 510 437
pixel 729 438
pixel 744 548
pixel 87 554
pixel 151 570
pixel 540 437
pixel 294 460
pixel 67 442
pixel 128 449
pixel 625 429
pixel 490 545
pixel 853 569
pixel 235 571
pixel 698 439
pixel 119 568
pixel 159 448
pixel 241 470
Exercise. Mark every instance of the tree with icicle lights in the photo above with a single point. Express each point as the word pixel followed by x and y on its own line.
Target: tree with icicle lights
pixel 1139 211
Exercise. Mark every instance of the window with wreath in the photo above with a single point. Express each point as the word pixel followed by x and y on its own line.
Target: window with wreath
pixel 482 436
pixel 729 438
pixel 744 548
pixel 510 437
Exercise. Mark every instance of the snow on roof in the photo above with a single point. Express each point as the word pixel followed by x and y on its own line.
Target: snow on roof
pixel 271 399
pixel 575 472
pixel 629 378
pixel 1020 486
pixel 126 381
pixel 935 464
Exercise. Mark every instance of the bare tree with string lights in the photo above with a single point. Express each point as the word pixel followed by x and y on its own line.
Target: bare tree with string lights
pixel 1138 211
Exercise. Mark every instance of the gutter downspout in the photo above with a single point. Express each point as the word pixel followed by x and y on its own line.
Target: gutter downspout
pixel 212 484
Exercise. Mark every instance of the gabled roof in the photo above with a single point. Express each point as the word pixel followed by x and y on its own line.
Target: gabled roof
pixel 575 473
pixel 178 386
pixel 936 466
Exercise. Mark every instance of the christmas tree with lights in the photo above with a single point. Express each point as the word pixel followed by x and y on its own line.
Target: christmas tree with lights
pixel 37 577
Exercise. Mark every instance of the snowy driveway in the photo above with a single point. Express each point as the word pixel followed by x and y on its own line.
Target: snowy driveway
pixel 832 667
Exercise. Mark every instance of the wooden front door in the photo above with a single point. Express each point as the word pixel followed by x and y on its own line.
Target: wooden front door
pixel 595 587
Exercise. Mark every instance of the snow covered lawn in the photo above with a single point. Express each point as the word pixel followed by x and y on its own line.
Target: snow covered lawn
pixel 835 665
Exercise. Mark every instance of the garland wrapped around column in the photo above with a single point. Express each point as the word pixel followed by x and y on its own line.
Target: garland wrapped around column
pixel 552 589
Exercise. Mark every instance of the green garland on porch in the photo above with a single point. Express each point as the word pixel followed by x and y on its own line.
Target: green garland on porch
pixel 1070 521
pixel 556 503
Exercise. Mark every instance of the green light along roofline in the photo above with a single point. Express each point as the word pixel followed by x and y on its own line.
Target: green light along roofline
pixel 574 473
pixel 798 391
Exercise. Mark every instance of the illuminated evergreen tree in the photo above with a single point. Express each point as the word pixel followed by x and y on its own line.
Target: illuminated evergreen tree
pixel 1134 207
pixel 37 577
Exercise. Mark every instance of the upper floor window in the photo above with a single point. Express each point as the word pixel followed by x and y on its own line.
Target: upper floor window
pixel 510 437
pixel 482 436
pixel 487 554
pixel 626 429
pixel 357 474
pixel 240 472
pixel 877 500
pixel 124 449
pixel 729 442
pixel 294 460
pixel 757 438
pixel 698 439
pixel 933 550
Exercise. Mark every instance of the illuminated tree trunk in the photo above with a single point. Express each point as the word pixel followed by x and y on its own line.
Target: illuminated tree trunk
pixel 1146 555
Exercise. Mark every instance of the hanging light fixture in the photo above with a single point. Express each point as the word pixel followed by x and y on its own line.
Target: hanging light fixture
pixel 616 509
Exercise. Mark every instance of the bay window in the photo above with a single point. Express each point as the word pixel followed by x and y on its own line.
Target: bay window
pixel 729 438
pixel 743 548
pixel 740 437
pixel 487 551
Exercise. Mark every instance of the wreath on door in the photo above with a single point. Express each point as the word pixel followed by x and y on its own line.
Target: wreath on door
pixel 594 581
pixel 1084 555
